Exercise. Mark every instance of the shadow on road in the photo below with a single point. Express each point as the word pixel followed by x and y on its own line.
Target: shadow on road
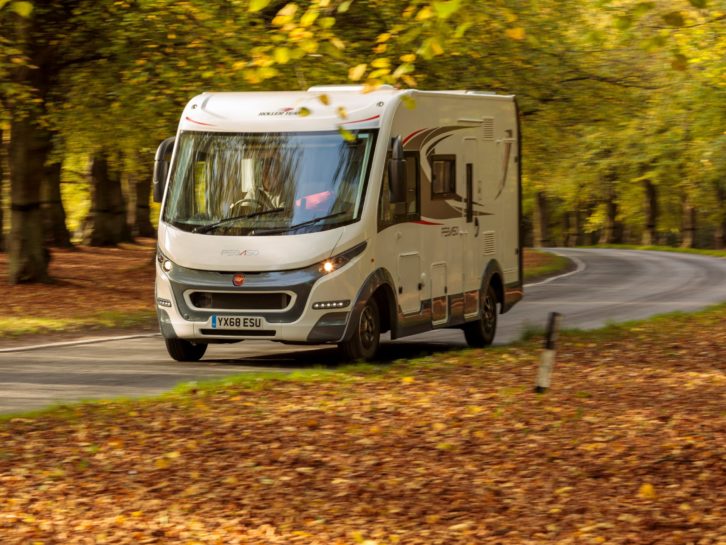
pixel 330 358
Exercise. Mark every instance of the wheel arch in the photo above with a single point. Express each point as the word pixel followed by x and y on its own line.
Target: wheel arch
pixel 493 276
pixel 378 285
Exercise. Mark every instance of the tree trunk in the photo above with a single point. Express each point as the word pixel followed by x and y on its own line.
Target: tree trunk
pixel 28 259
pixel 142 226
pixel 2 186
pixel 54 215
pixel 689 225
pixel 613 232
pixel 541 221
pixel 107 224
pixel 650 235
pixel 721 226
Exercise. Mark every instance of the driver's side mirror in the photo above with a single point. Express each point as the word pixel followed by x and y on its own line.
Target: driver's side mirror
pixel 397 171
pixel 162 159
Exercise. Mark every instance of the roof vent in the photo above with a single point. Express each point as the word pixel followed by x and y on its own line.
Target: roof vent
pixel 344 88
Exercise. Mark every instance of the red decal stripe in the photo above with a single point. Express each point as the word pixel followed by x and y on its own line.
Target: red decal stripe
pixel 414 133
pixel 361 120
pixel 424 222
pixel 198 122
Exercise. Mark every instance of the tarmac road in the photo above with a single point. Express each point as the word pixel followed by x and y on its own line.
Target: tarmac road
pixel 608 286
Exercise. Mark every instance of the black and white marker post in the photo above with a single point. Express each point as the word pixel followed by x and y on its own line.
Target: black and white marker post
pixel 547 361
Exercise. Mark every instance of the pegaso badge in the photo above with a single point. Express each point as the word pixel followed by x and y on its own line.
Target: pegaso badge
pixel 229 253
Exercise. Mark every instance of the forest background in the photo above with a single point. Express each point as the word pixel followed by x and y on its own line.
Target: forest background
pixel 623 102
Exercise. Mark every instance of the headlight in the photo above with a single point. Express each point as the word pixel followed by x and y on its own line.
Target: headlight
pixel 340 260
pixel 164 262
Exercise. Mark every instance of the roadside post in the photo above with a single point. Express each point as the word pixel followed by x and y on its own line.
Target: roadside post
pixel 547 360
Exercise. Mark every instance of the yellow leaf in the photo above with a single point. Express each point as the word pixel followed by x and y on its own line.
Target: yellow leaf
pixel 161 463
pixel 342 112
pixel 383 37
pixel 407 380
pixel 382 62
pixel 647 491
pixel 408 58
pixel 304 112
pixel 325 99
pixel 258 5
pixel 424 13
pixel 173 455
pixel 356 73
pixel 308 18
pixel 516 33
pixel 282 55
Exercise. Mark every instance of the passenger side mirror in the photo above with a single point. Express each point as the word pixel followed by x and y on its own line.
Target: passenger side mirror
pixel 162 159
pixel 397 171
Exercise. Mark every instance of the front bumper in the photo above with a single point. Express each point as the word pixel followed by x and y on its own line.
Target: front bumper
pixel 299 322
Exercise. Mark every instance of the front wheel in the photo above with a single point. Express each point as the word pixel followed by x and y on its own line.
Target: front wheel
pixel 182 350
pixel 481 333
pixel 366 338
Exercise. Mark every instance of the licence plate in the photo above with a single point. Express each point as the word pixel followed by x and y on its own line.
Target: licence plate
pixel 236 322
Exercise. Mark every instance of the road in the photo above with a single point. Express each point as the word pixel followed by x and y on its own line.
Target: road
pixel 608 286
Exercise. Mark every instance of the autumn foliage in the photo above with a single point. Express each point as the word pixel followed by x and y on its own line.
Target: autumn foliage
pixel 627 447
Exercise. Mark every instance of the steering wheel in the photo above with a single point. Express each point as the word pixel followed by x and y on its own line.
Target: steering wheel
pixel 246 203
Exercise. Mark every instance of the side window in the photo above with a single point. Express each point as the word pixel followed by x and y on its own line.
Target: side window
pixel 391 213
pixel 443 173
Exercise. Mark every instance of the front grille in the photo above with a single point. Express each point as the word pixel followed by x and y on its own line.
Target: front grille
pixel 240 301
pixel 239 332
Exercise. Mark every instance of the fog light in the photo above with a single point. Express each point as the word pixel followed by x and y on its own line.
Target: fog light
pixel 331 304
pixel 167 265
pixel 163 302
pixel 328 266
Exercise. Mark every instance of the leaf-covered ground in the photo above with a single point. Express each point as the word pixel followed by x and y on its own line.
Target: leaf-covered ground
pixel 629 446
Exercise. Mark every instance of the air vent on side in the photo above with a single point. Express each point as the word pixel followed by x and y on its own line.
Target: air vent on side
pixel 488 128
pixel 488 241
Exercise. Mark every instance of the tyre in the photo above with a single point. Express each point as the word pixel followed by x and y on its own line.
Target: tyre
pixel 366 338
pixel 182 350
pixel 481 333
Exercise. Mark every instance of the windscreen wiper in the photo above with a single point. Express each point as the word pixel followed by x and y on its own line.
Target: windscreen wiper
pixel 207 228
pixel 298 225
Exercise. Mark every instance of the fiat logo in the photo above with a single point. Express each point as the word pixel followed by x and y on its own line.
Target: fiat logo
pixel 238 279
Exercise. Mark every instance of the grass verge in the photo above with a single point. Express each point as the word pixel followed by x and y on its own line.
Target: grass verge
pixel 697 251
pixel 540 265
pixel 19 326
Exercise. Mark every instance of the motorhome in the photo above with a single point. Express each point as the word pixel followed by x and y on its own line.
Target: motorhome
pixel 336 215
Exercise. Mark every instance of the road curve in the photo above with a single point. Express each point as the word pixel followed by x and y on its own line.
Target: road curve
pixel 608 286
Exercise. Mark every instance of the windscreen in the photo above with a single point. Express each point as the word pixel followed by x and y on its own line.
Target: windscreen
pixel 267 184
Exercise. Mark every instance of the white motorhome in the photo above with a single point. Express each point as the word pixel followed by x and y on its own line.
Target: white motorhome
pixel 333 215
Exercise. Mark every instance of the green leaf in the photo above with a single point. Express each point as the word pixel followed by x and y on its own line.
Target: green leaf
pixel 674 18
pixel 346 134
pixel 24 9
pixel 642 8
pixel 344 6
pixel 623 22
pixel 444 10
pixel 408 101
pixel 258 5
pixel 700 4
pixel 462 28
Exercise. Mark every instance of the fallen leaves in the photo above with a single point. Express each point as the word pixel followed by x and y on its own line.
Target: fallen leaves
pixel 618 451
